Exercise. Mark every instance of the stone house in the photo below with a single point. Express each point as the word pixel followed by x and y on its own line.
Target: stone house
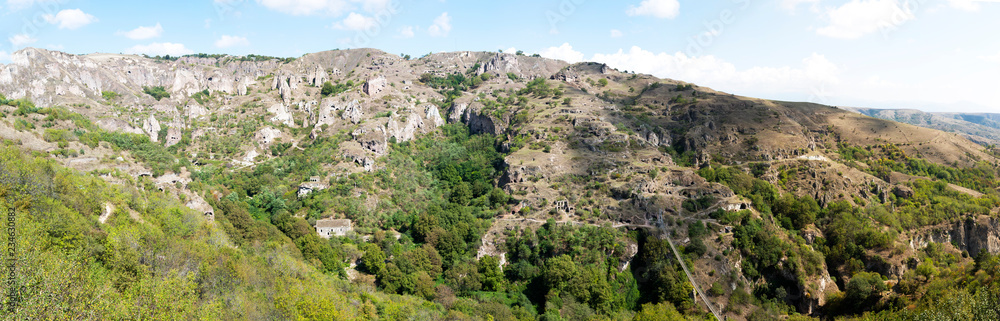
pixel 332 227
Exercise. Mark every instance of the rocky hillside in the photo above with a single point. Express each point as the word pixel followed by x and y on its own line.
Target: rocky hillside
pixel 779 207
pixel 982 128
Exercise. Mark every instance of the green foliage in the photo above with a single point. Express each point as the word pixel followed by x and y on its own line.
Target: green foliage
pixel 798 212
pixel 157 92
pixel 172 266
pixel 150 153
pixel 663 311
pixel 110 95
pixel 882 160
pixel 538 88
pixel 201 97
pixel 329 89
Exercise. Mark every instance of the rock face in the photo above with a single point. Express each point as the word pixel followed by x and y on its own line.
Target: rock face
pixel 48 77
pixel 353 112
pixel 457 112
pixel 375 86
pixel 317 77
pixel 266 136
pixel 975 236
pixel 501 64
pixel 480 122
pixel 281 115
pixel 434 116
pixel 173 136
pixel 152 128
pixel 114 124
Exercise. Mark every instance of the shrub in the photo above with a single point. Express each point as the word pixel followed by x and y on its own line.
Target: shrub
pixel 157 92
pixel 110 95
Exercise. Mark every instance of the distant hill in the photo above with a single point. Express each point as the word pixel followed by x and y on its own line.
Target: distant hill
pixel 982 128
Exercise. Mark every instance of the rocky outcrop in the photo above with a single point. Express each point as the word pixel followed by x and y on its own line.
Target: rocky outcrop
pixel 434 116
pixel 317 77
pixel 501 64
pixel 281 115
pixel 118 125
pixel 353 112
pixel 194 110
pixel 375 86
pixel 977 235
pixel 173 136
pixel 152 128
pixel 902 191
pixel 266 136
pixel 480 122
pixel 457 112
pixel 408 130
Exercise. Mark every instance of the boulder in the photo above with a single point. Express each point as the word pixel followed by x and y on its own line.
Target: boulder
pixel 902 191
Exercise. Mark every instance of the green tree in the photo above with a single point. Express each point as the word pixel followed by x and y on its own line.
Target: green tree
pixel 489 271
pixel 663 311
pixel 373 260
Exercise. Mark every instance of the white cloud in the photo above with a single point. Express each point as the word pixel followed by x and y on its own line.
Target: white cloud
pixel 227 41
pixel 564 52
pixel 994 58
pixel 374 5
pixel 70 19
pixel 356 22
pixel 406 32
pixel 320 7
pixel 814 72
pixel 142 33
pixel 860 17
pixel 21 4
pixel 4 56
pixel 160 49
pixel 21 40
pixel 441 26
pixel 511 50
pixel 791 5
pixel 305 7
pixel 969 5
pixel 615 33
pixel 663 9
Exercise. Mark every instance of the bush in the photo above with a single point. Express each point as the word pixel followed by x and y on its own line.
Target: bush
pixel 329 89
pixel 110 95
pixel 157 92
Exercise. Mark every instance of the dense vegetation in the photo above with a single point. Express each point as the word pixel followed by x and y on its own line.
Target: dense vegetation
pixel 158 92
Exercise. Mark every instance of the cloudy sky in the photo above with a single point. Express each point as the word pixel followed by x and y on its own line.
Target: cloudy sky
pixel 934 55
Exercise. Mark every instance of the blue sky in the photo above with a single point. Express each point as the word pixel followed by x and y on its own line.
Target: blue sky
pixel 934 55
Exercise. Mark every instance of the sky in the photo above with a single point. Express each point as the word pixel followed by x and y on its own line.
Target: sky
pixel 932 55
